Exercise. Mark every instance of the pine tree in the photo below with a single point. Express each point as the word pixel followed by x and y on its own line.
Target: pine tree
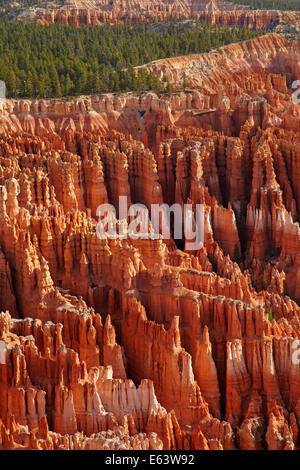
pixel 63 60
pixel 68 85
pixel 11 83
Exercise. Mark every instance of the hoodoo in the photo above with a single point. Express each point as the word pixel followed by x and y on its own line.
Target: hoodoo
pixel 95 12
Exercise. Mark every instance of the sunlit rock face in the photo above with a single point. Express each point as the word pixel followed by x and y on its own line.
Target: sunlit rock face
pixel 95 12
pixel 124 343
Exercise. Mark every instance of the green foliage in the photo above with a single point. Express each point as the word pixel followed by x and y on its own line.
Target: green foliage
pixel 169 87
pixel 59 60
pixel 269 312
pixel 185 83
pixel 292 5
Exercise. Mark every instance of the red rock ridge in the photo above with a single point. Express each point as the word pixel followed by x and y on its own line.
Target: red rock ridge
pixel 94 12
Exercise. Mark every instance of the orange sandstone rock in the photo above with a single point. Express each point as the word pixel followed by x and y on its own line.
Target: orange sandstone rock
pixel 136 343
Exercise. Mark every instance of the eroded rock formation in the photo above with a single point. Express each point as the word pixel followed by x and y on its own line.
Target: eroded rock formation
pixel 95 12
pixel 139 343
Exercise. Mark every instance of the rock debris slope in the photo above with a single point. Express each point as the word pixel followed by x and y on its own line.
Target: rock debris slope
pixel 136 343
